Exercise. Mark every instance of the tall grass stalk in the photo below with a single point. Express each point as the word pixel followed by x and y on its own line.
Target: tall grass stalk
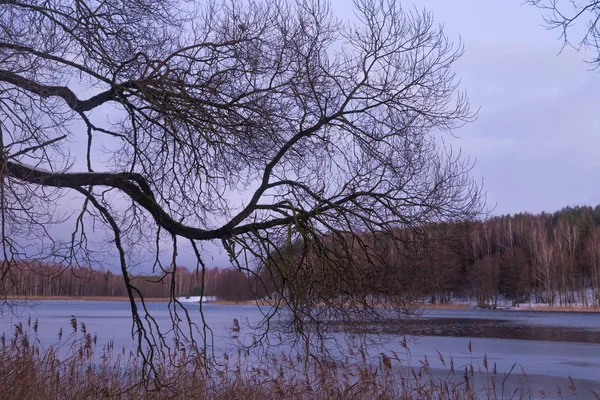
pixel 76 368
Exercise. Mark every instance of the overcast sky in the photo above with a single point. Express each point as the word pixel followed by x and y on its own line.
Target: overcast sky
pixel 537 138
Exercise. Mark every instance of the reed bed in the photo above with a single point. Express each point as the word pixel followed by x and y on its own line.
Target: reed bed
pixel 76 368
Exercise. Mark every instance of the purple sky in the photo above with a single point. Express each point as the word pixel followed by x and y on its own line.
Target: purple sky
pixel 537 139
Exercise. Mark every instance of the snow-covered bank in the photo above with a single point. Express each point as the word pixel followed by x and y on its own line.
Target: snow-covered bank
pixel 197 299
pixel 577 302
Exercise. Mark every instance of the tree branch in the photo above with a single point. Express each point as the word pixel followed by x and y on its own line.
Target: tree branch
pixel 63 92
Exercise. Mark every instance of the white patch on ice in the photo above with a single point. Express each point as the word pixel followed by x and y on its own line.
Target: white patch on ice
pixel 197 299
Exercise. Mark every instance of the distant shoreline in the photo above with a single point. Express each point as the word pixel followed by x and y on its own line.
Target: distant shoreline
pixel 524 307
pixel 117 298
pixel 437 306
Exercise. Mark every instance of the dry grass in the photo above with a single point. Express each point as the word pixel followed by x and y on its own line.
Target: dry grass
pixel 76 369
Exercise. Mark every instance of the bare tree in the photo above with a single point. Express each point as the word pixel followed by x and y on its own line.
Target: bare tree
pixel 592 252
pixel 543 261
pixel 577 22
pixel 566 243
pixel 326 128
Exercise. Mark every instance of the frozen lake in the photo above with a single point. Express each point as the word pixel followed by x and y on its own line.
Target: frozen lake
pixel 549 346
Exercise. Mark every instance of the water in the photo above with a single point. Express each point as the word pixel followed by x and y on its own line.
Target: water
pixel 548 346
pixel 112 320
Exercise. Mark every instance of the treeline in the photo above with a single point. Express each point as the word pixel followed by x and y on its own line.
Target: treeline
pixel 545 258
pixel 549 259
pixel 47 280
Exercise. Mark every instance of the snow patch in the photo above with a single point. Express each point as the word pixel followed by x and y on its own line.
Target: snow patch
pixel 197 299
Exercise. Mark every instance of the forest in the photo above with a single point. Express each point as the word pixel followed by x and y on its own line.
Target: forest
pixel 49 280
pixel 547 258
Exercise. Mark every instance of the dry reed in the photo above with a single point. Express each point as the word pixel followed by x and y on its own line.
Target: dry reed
pixel 76 369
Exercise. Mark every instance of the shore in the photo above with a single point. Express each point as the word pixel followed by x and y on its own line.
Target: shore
pixel 116 298
pixel 437 306
pixel 524 307
pixel 80 298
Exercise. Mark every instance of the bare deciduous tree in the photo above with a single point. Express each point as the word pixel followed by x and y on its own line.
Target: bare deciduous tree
pixel 327 130
pixel 543 261
pixel 592 253
pixel 577 22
